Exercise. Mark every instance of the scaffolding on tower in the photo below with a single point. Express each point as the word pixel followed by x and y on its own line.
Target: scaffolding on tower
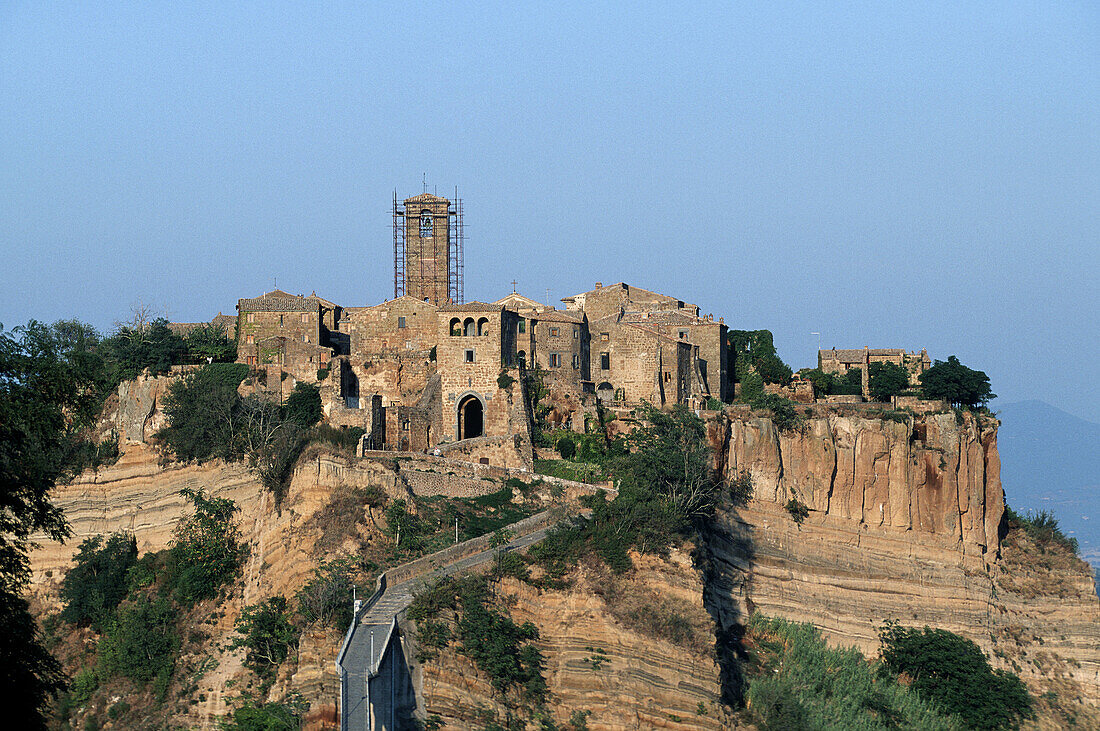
pixel 456 237
pixel 398 248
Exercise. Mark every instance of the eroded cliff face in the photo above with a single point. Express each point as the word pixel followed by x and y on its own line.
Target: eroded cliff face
pixel 902 525
pixel 602 653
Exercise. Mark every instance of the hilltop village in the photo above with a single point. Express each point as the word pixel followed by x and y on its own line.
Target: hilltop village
pixel 427 369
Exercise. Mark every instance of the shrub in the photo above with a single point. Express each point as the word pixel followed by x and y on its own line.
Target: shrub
pixel 83 685
pixel 207 551
pixel 346 439
pixel 752 387
pixel 96 583
pixel 203 414
pixel 566 448
pixel 322 374
pixel 802 683
pixel 303 405
pixel 783 412
pixel 741 488
pixel 797 510
pixel 285 716
pixel 1042 527
pixel 266 634
pixel 504 380
pixel 209 341
pixel 141 641
pixel 326 599
pixel 952 672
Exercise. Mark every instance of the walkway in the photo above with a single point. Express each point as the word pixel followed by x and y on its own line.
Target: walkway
pixel 370 634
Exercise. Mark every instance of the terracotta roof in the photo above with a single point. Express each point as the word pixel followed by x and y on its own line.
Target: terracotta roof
pixel 559 316
pixel 474 306
pixel 278 301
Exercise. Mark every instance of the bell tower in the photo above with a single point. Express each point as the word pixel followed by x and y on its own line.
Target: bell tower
pixel 427 249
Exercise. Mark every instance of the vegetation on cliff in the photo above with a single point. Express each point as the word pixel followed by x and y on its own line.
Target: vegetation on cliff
pixel 956 384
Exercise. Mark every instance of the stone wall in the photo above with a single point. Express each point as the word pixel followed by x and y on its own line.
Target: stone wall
pixel 401 324
pixel 513 451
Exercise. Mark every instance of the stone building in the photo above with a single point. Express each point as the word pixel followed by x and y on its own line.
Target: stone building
pixel 427 250
pixel 842 361
pixel 290 331
pixel 476 344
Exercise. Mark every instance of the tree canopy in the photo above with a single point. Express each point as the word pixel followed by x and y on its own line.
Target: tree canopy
pixel 887 380
pixel 953 382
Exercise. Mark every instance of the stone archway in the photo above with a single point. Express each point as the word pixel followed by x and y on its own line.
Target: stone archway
pixel 471 417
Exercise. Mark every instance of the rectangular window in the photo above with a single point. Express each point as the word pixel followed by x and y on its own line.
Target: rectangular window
pixel 554 332
pixel 555 360
pixel 401 322
pixel 280 320
pixel 305 317
pixel 605 337
pixel 605 361
pixel 576 333
pixel 576 361
pixel 684 334
pixel 668 376
pixel 251 317
pixel 251 360
pixel 522 325
pixel 470 355
pixel 250 339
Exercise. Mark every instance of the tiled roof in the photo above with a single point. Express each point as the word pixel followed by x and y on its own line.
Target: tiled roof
pixel 471 307
pixel 559 316
pixel 278 301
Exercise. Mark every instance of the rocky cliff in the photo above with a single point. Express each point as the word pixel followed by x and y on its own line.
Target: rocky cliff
pixel 902 524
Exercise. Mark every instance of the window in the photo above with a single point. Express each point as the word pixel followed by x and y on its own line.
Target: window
pixel 251 360
pixel 684 334
pixel 469 355
pixel 555 360
pixel 456 326
pixel 554 332
pixel 605 337
pixel 576 361
pixel 605 361
pixel 405 425
pixel 576 333
pixel 250 339
pixel 522 325
pixel 426 224
pixel 668 376
pixel 483 326
pixel 252 317
pixel 280 320
pixel 400 322
pixel 305 338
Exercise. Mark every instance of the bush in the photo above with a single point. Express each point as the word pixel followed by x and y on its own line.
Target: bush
pixel 141 642
pixel 96 583
pixel 203 414
pixel 266 634
pixel 505 381
pixel 84 684
pixel 752 387
pixel 209 342
pixel 566 448
pixel 741 488
pixel 207 552
pixel 284 716
pixel 784 415
pixel 797 510
pixel 952 672
pixel 303 405
pixel 326 599
pixel 802 683
pixel 1042 527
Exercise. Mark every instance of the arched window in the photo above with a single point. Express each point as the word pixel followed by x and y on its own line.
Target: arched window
pixel 456 326
pixel 427 225
pixel 521 359
pixel 468 327
pixel 483 326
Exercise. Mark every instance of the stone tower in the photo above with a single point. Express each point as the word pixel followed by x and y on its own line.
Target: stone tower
pixel 427 249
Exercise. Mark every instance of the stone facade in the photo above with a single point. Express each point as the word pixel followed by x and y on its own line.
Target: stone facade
pixel 842 361
pixel 427 249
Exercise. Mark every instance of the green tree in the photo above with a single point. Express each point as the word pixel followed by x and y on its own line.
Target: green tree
pixel 209 343
pixel 753 351
pixel 266 634
pixel 141 641
pixel 887 380
pixel 303 405
pixel 140 345
pixel 953 382
pixel 51 384
pixel 207 551
pixel 204 416
pixel 952 672
pixel 96 583
pixel 264 717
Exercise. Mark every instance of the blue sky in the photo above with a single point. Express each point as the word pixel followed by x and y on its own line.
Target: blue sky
pixel 888 174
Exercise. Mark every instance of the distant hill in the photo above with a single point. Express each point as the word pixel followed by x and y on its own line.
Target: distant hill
pixel 1050 460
